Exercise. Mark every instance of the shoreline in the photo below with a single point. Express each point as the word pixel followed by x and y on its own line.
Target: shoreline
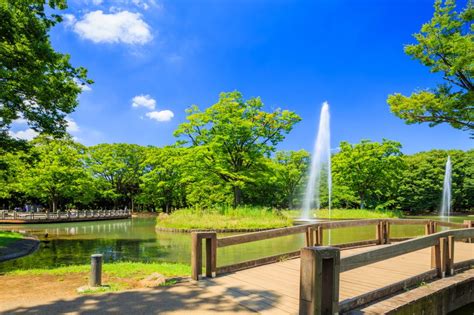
pixel 23 247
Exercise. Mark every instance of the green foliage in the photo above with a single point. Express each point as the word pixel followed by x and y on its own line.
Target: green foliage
pixel 57 172
pixel 225 218
pixel 290 167
pixel 234 135
pixel 164 179
pixel 368 170
pixel 118 168
pixel 36 83
pixel 9 237
pixel 421 186
pixel 446 46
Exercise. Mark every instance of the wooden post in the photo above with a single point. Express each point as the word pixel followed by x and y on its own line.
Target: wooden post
pixel 14 215
pixel 211 255
pixel 450 256
pixel 96 271
pixel 319 236
pixel 319 280
pixel 387 232
pixel 379 233
pixel 310 241
pixel 440 253
pixel 469 224
pixel 196 254
pixel 429 229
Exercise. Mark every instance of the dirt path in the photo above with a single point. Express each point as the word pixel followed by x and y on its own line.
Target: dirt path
pixel 48 294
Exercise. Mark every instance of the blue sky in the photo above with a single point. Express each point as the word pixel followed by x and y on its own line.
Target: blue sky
pixel 293 54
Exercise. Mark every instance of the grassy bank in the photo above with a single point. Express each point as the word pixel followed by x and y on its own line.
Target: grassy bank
pixel 134 270
pixel 341 214
pixel 227 218
pixel 9 237
pixel 345 214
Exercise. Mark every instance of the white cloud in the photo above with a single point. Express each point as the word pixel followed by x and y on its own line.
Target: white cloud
pixel 20 121
pixel 27 134
pixel 69 19
pixel 163 115
pixel 144 101
pixel 97 2
pixel 120 27
pixel 72 126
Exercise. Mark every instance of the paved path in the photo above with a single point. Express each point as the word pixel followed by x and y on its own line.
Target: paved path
pixel 185 298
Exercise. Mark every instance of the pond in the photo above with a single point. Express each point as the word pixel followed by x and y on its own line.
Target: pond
pixel 136 240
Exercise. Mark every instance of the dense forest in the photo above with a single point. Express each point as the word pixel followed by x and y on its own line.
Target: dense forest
pixel 226 156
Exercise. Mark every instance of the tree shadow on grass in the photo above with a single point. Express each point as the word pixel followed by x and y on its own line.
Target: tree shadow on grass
pixel 184 297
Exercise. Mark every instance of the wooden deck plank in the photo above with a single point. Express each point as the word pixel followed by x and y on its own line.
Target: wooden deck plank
pixel 278 283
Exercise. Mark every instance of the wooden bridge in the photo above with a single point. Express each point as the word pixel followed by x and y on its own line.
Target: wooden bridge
pixel 341 278
pixel 57 217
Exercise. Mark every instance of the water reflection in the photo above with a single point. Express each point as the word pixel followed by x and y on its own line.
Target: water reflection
pixel 136 240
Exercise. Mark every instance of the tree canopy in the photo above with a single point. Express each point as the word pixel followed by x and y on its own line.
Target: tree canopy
pixel 36 82
pixel 445 45
pixel 371 170
pixel 234 134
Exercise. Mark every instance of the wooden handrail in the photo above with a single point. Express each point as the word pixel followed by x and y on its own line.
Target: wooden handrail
pixel 263 235
pixel 405 247
pixel 314 234
pixel 320 264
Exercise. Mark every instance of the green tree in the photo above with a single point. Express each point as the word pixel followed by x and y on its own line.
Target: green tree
pixel 118 168
pixel 36 82
pixel 446 46
pixel 371 170
pixel 57 173
pixel 290 169
pixel 11 168
pixel 163 182
pixel 421 185
pixel 235 134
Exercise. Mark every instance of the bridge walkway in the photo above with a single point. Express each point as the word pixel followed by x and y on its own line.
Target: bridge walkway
pixel 274 288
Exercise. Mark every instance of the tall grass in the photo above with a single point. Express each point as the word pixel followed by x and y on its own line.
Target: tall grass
pixel 225 218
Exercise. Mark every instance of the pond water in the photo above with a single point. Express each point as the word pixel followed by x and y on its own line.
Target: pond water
pixel 136 240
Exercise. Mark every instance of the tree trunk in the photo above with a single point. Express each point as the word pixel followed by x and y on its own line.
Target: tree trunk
pixel 54 204
pixel 237 196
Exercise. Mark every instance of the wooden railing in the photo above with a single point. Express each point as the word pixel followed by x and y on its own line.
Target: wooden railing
pixel 313 235
pixel 321 266
pixel 63 216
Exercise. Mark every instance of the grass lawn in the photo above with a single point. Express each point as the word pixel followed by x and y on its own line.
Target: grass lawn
pixel 227 218
pixel 9 237
pixel 340 214
pixel 136 270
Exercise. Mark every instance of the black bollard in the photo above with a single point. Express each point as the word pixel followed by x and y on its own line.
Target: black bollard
pixel 96 271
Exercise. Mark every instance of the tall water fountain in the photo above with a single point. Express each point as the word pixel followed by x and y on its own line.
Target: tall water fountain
pixel 320 162
pixel 446 200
